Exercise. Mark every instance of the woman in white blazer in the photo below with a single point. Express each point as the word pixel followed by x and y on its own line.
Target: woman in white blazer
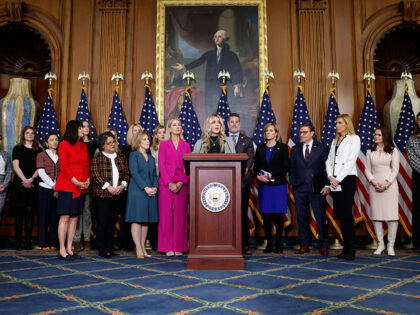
pixel 342 172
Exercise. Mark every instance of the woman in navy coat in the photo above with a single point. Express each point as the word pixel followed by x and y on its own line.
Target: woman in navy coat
pixel 270 167
pixel 141 201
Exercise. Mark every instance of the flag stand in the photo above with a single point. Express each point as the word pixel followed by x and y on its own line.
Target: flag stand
pixel 373 245
pixel 336 244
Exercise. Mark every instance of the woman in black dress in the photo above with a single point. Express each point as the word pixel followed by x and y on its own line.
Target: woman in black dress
pixel 24 185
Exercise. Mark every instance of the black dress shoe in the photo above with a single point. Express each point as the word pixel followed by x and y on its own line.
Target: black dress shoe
pixel 351 255
pixel 268 250
pixel 279 250
pixel 74 256
pixel 67 258
pixel 19 245
pixel 105 255
pixel 343 254
pixel 246 251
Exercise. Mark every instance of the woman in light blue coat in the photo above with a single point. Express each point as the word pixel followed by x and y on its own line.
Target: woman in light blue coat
pixel 141 201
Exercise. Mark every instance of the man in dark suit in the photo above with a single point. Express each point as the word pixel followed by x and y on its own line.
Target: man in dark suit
pixel 310 186
pixel 217 59
pixel 243 144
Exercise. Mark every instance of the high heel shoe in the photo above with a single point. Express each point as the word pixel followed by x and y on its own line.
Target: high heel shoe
pixel 145 254
pixel 170 253
pixel 139 254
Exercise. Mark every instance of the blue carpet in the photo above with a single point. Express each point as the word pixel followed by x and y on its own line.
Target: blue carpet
pixel 35 282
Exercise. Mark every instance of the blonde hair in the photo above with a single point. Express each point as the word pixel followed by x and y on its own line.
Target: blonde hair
pixel 155 140
pixel 130 133
pixel 276 129
pixel 169 124
pixel 137 138
pixel 207 130
pixel 349 124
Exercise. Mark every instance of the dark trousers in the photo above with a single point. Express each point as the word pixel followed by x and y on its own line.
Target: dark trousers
pixel 343 211
pixel 107 210
pixel 269 218
pixel 245 221
pixel 27 213
pixel 48 218
pixel 318 203
pixel 415 184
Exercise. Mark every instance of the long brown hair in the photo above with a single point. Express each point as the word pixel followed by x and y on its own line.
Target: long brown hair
pixel 155 140
pixel 386 137
pixel 417 129
pixel 35 144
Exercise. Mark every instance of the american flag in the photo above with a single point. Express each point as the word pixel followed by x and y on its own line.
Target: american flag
pixel 223 109
pixel 117 120
pixel 190 127
pixel 405 128
pixel 48 121
pixel 265 116
pixel 329 130
pixel 300 116
pixel 368 123
pixel 83 113
pixel 148 118
pixel 328 134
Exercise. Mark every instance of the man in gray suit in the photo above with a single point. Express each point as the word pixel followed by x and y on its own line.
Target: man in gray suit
pixel 243 144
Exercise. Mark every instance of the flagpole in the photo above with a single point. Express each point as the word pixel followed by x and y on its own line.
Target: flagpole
pixel 334 78
pixel 406 76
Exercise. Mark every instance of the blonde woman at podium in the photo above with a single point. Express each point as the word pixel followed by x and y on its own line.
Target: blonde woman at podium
pixel 214 139
pixel 173 191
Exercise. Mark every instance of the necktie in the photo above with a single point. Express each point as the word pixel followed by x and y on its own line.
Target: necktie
pixel 307 153
pixel 234 139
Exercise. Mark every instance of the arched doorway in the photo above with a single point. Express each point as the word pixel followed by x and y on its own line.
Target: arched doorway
pixel 396 51
pixel 27 54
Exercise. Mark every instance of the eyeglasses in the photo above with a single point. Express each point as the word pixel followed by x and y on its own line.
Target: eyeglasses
pixel 110 143
pixel 303 132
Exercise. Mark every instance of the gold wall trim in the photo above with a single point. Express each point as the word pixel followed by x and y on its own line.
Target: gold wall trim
pixel 160 40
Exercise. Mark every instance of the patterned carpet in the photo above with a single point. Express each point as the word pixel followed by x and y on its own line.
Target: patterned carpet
pixel 33 282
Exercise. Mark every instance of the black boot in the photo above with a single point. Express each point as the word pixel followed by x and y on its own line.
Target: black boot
pixel 279 232
pixel 268 233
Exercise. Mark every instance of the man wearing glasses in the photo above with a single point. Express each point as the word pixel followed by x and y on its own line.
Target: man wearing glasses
pixel 310 186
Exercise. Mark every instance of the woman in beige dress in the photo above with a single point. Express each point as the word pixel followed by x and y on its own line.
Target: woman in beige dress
pixel 382 164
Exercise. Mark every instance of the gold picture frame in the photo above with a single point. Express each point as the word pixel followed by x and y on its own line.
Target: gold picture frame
pixel 160 41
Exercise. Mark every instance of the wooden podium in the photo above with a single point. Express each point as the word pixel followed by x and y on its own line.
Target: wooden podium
pixel 215 211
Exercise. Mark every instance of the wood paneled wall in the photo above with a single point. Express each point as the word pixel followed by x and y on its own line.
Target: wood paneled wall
pixel 102 37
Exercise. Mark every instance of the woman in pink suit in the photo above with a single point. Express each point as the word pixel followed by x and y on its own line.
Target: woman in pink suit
pixel 173 191
pixel 382 165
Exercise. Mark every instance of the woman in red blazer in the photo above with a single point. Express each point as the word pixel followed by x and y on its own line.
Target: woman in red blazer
pixel 72 184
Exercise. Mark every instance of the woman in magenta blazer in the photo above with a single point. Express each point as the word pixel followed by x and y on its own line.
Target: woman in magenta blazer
pixel 173 191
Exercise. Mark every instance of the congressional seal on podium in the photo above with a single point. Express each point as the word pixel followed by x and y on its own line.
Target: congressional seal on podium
pixel 215 197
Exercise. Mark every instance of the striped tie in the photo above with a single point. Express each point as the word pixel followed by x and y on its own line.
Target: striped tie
pixel 307 153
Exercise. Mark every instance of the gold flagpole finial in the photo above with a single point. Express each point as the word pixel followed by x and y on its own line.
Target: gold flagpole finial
pixel 147 76
pixel 406 75
pixel 225 75
pixel 369 77
pixel 188 76
pixel 334 77
pixel 298 75
pixel 83 76
pixel 50 76
pixel 267 76
pixel 117 77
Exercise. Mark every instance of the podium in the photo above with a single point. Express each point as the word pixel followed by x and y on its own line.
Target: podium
pixel 215 210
